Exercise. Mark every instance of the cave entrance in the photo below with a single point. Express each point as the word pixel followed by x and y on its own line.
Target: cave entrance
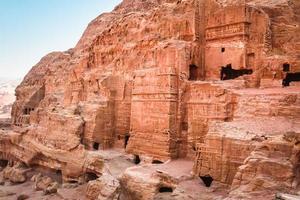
pixel 3 163
pixel 96 146
pixel 72 181
pixel 286 67
pixel 165 189
pixel 207 180
pixel 126 140
pixel 55 174
pixel 157 162
pixel 136 159
pixel 228 73
pixel 194 71
pixel 89 176
pixel 58 176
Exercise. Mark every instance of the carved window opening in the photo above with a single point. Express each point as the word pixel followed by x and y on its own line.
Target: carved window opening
pixel 136 159
pixel 3 163
pixel 194 71
pixel 223 49
pixel 207 180
pixel 165 189
pixel 96 146
pixel 157 162
pixel 89 176
pixel 286 67
pixel 126 140
pixel 27 111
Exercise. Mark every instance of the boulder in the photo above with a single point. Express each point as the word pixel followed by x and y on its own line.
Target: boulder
pixel 15 174
pixel 104 188
pixel 23 197
pixel 46 184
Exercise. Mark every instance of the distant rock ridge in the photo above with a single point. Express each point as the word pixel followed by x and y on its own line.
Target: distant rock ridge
pixel 7 95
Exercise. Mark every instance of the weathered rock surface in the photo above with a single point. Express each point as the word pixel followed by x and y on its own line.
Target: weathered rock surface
pixel 145 78
pixel 146 181
pixel 15 173
pixel 104 188
pixel 5 194
pixel 44 183
pixel 281 196
pixel 23 197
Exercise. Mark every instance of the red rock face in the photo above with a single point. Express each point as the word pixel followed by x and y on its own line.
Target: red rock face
pixel 145 77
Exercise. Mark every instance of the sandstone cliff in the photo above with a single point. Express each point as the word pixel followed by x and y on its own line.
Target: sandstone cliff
pixel 145 77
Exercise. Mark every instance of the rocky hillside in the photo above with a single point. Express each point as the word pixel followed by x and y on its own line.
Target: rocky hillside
pixel 142 87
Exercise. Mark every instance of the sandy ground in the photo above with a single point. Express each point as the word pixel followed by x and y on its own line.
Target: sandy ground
pixel 189 188
pixel 27 188
pixel 195 190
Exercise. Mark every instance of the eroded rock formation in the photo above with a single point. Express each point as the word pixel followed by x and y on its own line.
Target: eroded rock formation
pixel 146 78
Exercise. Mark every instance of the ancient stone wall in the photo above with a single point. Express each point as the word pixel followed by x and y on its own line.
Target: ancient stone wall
pixel 256 116
pixel 205 103
pixel 267 103
pixel 220 156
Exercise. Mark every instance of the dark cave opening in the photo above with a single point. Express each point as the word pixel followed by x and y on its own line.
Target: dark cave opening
pixel 126 140
pixel 136 159
pixel 157 162
pixel 286 67
pixel 89 176
pixel 72 181
pixel 194 148
pixel 193 69
pixel 3 163
pixel 96 146
pixel 207 180
pixel 165 189
pixel 228 73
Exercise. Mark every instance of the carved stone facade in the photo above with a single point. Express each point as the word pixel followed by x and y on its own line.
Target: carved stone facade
pixel 237 35
pixel 153 114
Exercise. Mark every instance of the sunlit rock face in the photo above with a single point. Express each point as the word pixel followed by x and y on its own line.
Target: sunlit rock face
pixel 146 78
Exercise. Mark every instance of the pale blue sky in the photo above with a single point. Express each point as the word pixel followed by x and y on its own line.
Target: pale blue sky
pixel 29 29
